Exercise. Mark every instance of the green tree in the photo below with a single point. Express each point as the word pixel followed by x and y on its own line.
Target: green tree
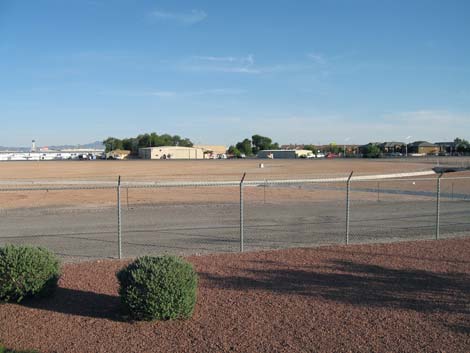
pixel 334 148
pixel 166 140
pixel 234 151
pixel 245 147
pixel 154 139
pixel 260 143
pixel 461 145
pixel 372 151
pixel 131 144
pixel 112 143
pixel 185 143
pixel 175 140
pixel 312 148
pixel 263 143
pixel 146 140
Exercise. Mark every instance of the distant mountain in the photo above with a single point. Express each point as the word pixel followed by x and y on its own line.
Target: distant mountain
pixel 15 149
pixel 92 145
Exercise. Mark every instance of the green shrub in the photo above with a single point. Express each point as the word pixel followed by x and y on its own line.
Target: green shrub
pixel 6 350
pixel 158 288
pixel 27 271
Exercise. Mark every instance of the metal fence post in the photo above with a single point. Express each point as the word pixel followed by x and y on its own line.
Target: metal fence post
pixel 265 182
pixel 241 212
pixel 438 205
pixel 348 188
pixel 119 217
pixel 378 191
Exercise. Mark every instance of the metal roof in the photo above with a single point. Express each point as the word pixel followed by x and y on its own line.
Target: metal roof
pixel 422 144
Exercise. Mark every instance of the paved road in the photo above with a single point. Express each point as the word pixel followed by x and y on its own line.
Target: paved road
pixel 80 234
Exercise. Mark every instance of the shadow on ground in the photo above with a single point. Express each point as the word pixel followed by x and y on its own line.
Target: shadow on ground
pixel 360 284
pixel 340 281
pixel 81 303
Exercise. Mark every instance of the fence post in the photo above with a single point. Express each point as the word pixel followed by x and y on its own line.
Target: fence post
pixel 378 191
pixel 265 182
pixel 119 217
pixel 438 204
pixel 241 212
pixel 348 188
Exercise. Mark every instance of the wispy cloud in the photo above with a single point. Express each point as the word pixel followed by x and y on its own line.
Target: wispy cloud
pixel 161 94
pixel 429 116
pixel 215 91
pixel 245 64
pixel 248 65
pixel 248 60
pixel 185 18
pixel 318 58
pixel 176 94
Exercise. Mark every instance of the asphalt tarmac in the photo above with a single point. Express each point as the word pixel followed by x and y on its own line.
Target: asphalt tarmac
pixel 78 234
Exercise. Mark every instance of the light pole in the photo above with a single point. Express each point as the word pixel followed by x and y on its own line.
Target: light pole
pixel 406 145
pixel 344 146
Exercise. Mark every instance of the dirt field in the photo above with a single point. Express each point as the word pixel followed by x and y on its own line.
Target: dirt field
pixel 403 297
pixel 202 170
pixel 210 170
pixel 213 170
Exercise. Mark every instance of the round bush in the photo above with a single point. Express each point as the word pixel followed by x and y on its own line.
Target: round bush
pixel 158 288
pixel 27 271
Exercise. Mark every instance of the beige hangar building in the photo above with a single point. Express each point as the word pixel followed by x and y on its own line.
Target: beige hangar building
pixel 212 151
pixel 171 152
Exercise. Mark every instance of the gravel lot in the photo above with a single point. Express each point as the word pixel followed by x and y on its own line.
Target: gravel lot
pixel 401 297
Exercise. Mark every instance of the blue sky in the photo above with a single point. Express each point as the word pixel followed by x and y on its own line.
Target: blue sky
pixel 75 71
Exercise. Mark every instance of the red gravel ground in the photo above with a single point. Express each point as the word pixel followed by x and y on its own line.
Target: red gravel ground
pixel 402 297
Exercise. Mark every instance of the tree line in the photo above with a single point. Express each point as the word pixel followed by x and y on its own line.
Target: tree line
pixel 145 140
pixel 247 147
pixel 250 147
pixel 462 145
pixel 372 150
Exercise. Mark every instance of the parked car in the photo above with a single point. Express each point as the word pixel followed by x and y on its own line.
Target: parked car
pixel 396 154
pixel 332 155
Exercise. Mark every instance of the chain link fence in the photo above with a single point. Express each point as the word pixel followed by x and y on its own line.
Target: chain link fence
pixel 46 216
pixel 93 220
